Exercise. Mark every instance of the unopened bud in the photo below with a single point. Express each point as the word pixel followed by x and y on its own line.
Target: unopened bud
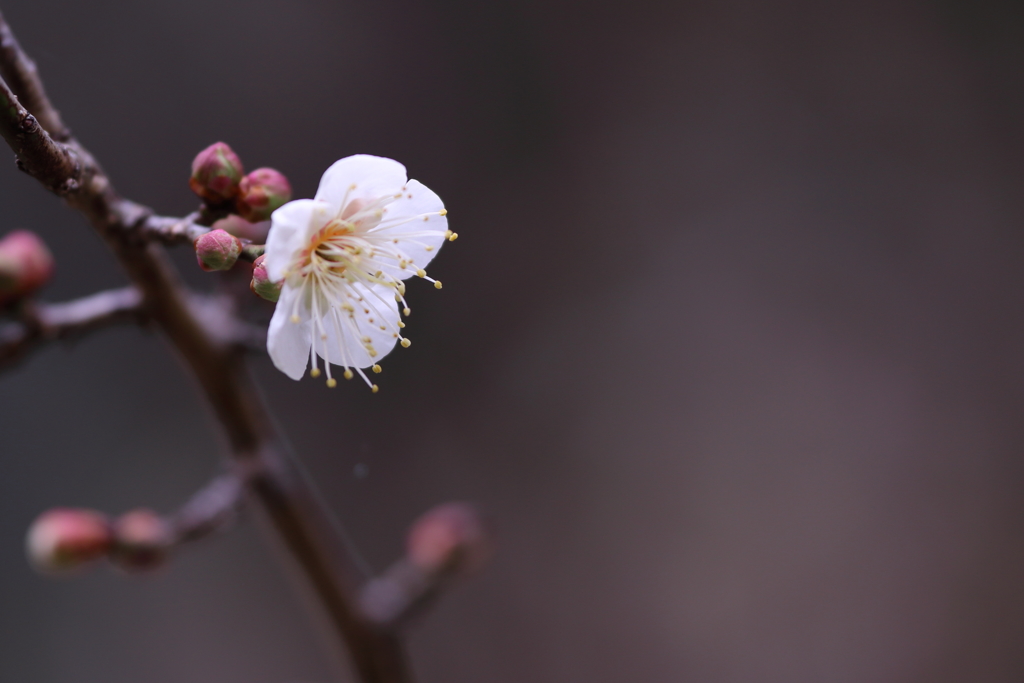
pixel 261 193
pixel 25 265
pixel 64 539
pixel 216 173
pixel 452 538
pixel 261 284
pixel 239 227
pixel 217 250
pixel 141 541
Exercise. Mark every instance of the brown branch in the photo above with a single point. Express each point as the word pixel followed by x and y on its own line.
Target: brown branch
pixel 20 72
pixel 301 526
pixel 43 323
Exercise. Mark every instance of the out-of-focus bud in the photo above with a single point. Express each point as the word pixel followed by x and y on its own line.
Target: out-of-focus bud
pixel 141 541
pixel 451 538
pixel 64 539
pixel 25 265
pixel 261 193
pixel 261 284
pixel 239 227
pixel 217 250
pixel 216 174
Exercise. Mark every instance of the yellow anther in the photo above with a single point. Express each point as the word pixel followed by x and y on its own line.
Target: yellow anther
pixel 372 353
pixel 375 388
pixel 428 248
pixel 331 383
pixel 447 234
pixel 406 343
pixel 367 340
pixel 377 369
pixel 421 272
pixel 295 319
pixel 406 311
pixel 443 212
pixel 454 237
pixel 437 284
pixel 347 374
pixel 314 373
pixel 403 264
pixel 401 324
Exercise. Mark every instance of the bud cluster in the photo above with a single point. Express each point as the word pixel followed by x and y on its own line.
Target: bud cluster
pixel 25 265
pixel 219 179
pixel 66 539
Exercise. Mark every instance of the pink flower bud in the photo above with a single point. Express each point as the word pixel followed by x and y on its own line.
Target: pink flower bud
pixel 451 537
pixel 217 250
pixel 239 227
pixel 216 173
pixel 25 265
pixel 64 539
pixel 141 541
pixel 261 193
pixel 261 284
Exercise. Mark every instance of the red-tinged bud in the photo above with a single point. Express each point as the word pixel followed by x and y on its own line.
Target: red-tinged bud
pixel 261 284
pixel 217 250
pixel 239 227
pixel 64 539
pixel 25 265
pixel 450 538
pixel 141 541
pixel 261 193
pixel 216 173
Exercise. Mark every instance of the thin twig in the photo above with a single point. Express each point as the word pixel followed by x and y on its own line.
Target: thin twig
pixel 43 323
pixel 210 510
pixel 187 230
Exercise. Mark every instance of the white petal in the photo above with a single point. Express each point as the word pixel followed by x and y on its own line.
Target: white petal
pixel 373 177
pixel 291 228
pixel 384 311
pixel 288 342
pixel 417 200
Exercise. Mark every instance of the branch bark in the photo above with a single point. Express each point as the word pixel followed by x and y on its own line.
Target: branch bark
pixel 70 171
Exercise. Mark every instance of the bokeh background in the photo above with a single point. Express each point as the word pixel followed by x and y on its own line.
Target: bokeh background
pixel 730 348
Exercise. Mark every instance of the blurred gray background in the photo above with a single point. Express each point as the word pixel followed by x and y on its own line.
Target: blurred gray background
pixel 730 347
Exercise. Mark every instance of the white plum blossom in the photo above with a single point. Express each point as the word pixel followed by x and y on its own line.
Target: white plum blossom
pixel 343 257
